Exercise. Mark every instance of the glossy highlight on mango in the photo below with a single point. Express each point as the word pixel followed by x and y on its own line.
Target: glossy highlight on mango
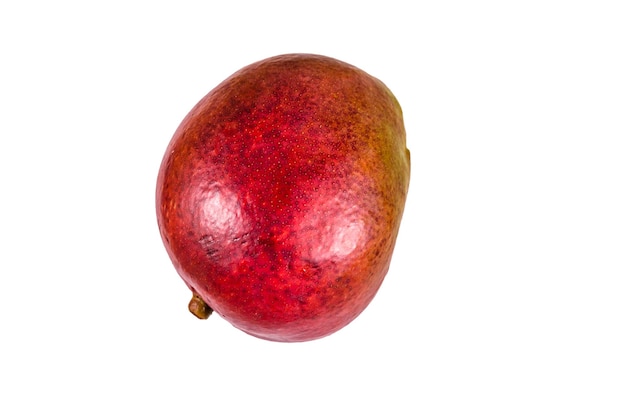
pixel 280 196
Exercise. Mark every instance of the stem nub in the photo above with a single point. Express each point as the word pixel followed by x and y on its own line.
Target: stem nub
pixel 199 308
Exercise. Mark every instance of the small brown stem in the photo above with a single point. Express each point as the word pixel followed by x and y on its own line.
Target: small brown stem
pixel 199 308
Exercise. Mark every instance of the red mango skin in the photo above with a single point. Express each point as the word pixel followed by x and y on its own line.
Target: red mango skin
pixel 280 195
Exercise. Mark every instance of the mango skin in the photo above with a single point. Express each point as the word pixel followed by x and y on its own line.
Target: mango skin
pixel 280 195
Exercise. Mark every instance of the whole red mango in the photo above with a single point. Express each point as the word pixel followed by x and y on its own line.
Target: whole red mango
pixel 280 196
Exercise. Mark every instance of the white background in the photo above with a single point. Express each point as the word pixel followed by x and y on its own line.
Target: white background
pixel 506 294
